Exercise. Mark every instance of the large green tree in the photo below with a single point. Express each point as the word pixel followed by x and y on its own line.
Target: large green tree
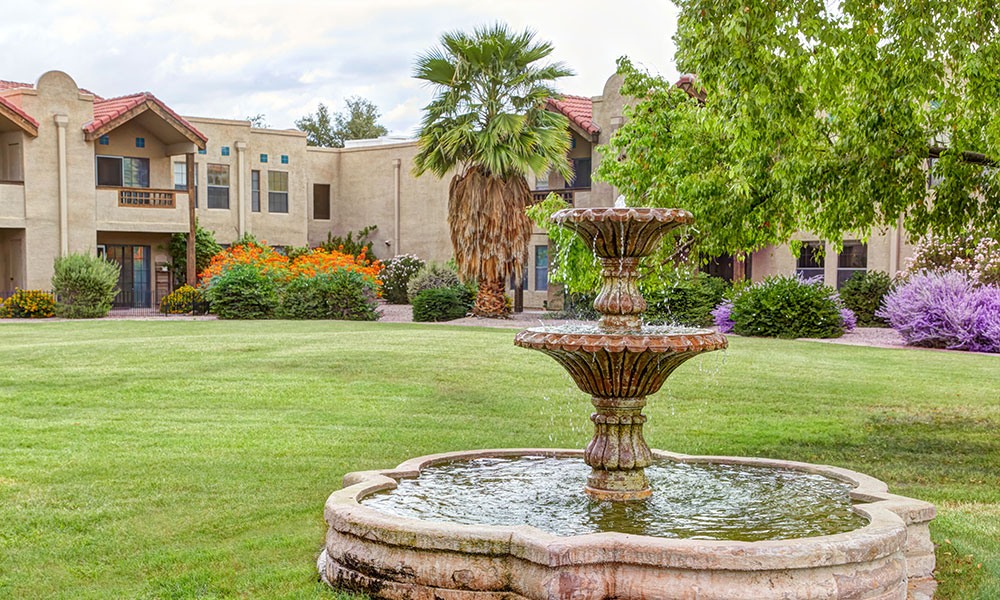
pixel 487 124
pixel 818 117
pixel 360 121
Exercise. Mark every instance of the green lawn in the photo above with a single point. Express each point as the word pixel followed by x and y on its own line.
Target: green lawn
pixel 192 459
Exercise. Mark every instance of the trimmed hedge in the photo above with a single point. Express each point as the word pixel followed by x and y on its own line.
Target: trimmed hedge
pixel 863 294
pixel 431 276
pixel 688 302
pixel 343 295
pixel 787 307
pixel 441 304
pixel 243 292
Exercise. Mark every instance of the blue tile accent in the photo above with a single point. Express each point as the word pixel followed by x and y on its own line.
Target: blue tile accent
pixel 205 151
pixel 103 140
pixel 225 150
pixel 263 158
pixel 572 142
pixel 284 159
pixel 140 142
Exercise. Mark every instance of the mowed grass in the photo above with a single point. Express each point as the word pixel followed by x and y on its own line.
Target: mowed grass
pixel 176 459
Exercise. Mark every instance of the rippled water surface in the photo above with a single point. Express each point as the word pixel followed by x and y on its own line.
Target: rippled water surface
pixel 701 501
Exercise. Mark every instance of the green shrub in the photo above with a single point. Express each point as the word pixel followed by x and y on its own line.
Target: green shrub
pixel 440 304
pixel 28 304
pixel 431 276
pixel 184 300
pixel 689 301
pixel 205 247
pixel 243 292
pixel 84 285
pixel 398 272
pixel 349 244
pixel 787 307
pixel 863 294
pixel 342 295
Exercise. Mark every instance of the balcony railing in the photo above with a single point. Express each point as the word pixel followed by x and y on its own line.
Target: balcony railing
pixel 566 195
pixel 146 198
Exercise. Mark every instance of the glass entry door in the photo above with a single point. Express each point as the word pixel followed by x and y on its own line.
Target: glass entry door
pixel 135 276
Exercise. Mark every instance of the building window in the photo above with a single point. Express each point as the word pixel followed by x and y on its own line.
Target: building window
pixel 140 142
pixel 811 260
pixel 853 259
pixel 104 140
pixel 263 158
pixel 284 159
pixel 321 201
pixel 277 191
pixel 933 179
pixel 255 191
pixel 218 186
pixel 581 173
pixel 181 182
pixel 541 268
pixel 542 182
pixel 123 171
pixel 225 150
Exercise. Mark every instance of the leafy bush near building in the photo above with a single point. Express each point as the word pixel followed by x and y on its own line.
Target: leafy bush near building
pixel 319 284
pixel 688 301
pixel 205 247
pixel 398 272
pixel 84 285
pixel 28 304
pixel 243 292
pixel 184 300
pixel 431 276
pixel 945 310
pixel 441 304
pixel 788 307
pixel 863 294
pixel 341 294
pixel 351 244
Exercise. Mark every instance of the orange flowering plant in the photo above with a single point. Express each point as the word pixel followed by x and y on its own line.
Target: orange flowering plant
pixel 281 269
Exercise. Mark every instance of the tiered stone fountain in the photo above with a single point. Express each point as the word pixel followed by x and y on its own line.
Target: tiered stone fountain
pixel 519 524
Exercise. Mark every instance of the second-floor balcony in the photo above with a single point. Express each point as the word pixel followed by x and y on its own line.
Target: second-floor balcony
pixel 568 195
pixel 146 197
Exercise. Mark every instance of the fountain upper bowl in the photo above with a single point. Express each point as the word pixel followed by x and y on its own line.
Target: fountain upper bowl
pixel 622 232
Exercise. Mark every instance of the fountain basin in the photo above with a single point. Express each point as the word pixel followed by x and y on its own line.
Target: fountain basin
pixel 397 558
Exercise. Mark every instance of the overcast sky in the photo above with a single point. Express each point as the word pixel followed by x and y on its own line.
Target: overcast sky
pixel 231 59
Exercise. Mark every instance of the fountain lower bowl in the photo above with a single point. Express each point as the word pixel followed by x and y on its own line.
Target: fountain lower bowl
pixel 399 558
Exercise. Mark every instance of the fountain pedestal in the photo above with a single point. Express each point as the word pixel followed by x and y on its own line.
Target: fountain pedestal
pixel 618 454
pixel 614 362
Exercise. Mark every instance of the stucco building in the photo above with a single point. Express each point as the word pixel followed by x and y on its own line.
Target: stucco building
pixel 84 173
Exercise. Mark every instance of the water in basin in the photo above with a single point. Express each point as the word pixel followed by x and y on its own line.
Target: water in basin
pixel 645 330
pixel 700 501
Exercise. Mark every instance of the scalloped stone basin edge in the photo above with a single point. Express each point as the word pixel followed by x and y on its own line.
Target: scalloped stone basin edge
pixel 890 558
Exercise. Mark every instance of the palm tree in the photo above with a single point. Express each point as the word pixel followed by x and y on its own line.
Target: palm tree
pixel 488 123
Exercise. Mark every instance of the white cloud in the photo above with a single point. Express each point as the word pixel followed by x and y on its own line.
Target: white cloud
pixel 233 58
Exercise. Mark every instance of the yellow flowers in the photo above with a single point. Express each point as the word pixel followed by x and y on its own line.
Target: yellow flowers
pixel 28 304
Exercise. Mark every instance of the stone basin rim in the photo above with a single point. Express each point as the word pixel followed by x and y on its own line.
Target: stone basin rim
pixel 639 214
pixel 883 535
pixel 538 338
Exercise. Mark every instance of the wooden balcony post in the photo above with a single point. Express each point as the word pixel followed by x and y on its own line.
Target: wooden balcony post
pixel 192 267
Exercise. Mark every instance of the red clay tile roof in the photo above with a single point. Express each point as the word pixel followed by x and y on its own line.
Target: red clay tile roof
pixel 13 85
pixel 578 109
pixel 7 104
pixel 106 110
pixel 688 83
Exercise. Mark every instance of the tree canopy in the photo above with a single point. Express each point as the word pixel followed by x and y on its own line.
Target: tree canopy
pixel 817 118
pixel 488 109
pixel 360 121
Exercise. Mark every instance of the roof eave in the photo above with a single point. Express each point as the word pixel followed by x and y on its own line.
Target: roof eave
pixel 193 135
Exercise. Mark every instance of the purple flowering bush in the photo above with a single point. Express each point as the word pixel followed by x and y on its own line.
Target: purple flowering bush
pixel 945 310
pixel 722 316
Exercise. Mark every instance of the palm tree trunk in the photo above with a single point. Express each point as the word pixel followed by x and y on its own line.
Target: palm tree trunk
pixel 491 300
